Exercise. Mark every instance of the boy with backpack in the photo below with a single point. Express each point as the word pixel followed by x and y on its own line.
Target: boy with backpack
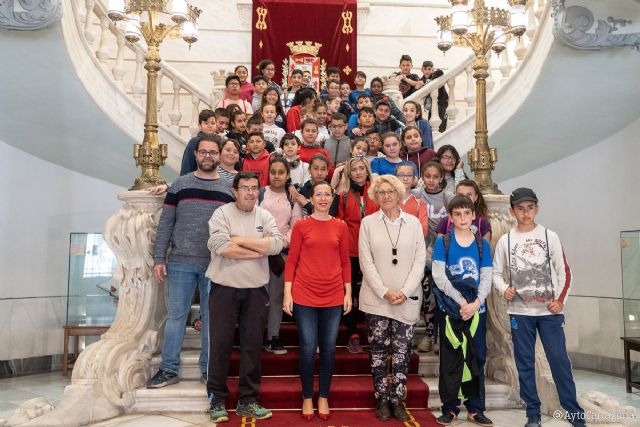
pixel 538 282
pixel 461 269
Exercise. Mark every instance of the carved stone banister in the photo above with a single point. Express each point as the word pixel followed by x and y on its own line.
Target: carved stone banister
pixel 107 372
pixel 419 95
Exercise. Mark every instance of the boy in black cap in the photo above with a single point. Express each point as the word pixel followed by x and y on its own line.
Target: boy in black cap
pixel 537 284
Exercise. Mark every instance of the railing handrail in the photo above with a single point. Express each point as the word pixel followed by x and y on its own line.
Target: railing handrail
pixel 433 85
pixel 167 70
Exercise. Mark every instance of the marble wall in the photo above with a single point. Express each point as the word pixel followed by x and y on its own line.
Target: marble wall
pixel 587 198
pixel 43 204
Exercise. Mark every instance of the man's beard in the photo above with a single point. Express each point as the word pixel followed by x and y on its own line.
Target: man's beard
pixel 206 167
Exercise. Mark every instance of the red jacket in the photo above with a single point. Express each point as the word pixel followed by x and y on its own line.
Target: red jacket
pixel 259 165
pixel 349 211
pixel 306 153
pixel 293 118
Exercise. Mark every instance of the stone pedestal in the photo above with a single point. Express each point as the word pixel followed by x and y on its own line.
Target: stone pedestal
pixel 107 372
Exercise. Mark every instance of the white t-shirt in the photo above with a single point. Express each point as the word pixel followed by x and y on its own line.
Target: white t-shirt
pixel 537 270
pixel 273 133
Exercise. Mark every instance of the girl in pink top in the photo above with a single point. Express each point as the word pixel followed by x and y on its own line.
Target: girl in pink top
pixel 275 199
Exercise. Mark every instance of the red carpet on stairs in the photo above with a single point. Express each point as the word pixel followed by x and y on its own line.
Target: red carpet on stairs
pixel 351 388
pixel 347 392
pixel 348 418
pixel 287 364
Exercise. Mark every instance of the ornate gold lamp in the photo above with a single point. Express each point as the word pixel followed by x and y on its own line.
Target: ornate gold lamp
pixel 142 19
pixel 482 25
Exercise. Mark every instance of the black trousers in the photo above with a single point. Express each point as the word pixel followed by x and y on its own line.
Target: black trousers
pixel 350 319
pixel 248 309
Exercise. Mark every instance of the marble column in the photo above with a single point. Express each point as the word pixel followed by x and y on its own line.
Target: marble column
pixel 107 372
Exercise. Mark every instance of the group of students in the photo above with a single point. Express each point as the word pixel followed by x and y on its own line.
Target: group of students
pixel 347 213
pixel 261 101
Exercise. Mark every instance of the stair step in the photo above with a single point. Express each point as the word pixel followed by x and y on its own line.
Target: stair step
pixel 287 364
pixel 275 393
pixel 496 395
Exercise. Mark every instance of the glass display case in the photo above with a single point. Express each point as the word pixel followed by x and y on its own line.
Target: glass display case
pixel 92 295
pixel 630 259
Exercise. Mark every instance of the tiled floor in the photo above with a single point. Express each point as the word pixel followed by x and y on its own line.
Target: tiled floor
pixel 14 391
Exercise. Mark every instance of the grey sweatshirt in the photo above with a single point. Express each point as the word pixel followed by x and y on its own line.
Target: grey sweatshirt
pixel 230 221
pixel 182 229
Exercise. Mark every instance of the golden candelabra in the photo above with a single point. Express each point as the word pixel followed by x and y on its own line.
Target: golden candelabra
pixel 150 155
pixel 482 28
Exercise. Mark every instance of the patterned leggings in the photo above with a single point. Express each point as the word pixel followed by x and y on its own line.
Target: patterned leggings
pixel 389 337
pixel 429 305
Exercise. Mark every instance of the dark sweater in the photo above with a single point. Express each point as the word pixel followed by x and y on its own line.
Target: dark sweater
pixel 183 226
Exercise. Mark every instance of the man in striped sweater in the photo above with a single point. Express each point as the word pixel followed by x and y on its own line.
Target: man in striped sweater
pixel 537 286
pixel 183 233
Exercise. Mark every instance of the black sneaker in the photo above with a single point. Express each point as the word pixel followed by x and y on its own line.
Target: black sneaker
pixel 204 378
pixel 534 421
pixel 446 419
pixel 383 411
pixel 399 411
pixel 480 419
pixel 273 346
pixel 162 379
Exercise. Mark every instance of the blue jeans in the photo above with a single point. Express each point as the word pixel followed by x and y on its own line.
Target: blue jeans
pixel 551 329
pixel 317 327
pixel 182 280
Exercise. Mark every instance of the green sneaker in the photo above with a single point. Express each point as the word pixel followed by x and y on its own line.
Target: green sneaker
pixel 254 410
pixel 218 413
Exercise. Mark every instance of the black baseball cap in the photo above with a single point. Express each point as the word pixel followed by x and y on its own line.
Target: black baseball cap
pixel 523 194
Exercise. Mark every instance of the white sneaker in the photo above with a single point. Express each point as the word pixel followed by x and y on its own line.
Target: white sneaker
pixel 425 345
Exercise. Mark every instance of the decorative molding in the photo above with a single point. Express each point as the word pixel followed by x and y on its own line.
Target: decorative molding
pixel 572 25
pixel 29 15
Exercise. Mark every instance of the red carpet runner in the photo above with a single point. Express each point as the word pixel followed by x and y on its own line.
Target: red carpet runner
pixel 351 389
pixel 347 418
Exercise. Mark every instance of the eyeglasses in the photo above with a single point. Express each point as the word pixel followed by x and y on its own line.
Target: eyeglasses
pixel 249 189
pixel 323 195
pixel 374 139
pixel 405 176
pixel 386 193
pixel 448 159
pixel 205 153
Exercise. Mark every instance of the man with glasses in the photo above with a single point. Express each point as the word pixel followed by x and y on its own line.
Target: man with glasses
pixel 182 233
pixel 242 236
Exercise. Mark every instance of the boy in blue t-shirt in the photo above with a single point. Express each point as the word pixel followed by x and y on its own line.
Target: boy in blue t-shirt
pixel 462 271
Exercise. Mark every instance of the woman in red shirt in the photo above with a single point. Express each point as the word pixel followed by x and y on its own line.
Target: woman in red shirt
pixel 352 206
pixel 317 290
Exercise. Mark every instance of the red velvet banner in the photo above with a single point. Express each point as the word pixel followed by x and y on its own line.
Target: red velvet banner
pixel 306 34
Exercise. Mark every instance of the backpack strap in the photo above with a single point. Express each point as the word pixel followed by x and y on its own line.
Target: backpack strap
pixel 480 245
pixel 446 240
pixel 509 256
pixel 261 195
pixel 546 236
pixel 345 194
